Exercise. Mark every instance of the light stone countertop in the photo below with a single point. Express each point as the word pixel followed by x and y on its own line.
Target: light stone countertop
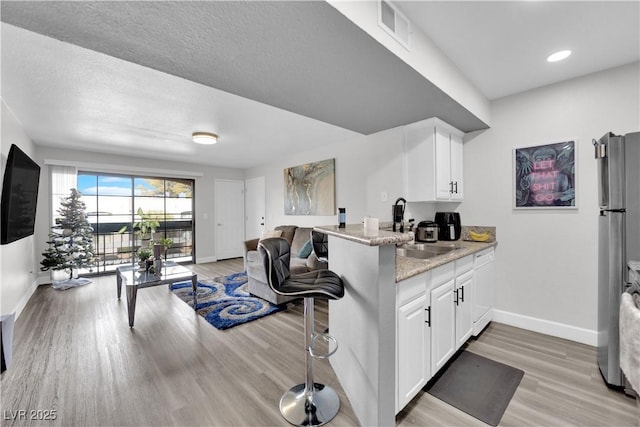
pixel 355 233
pixel 406 267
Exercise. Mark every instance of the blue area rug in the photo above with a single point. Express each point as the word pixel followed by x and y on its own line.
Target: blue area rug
pixel 225 302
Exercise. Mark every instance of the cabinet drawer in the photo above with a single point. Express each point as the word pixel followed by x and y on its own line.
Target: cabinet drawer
pixel 442 274
pixel 463 265
pixel 483 257
pixel 411 288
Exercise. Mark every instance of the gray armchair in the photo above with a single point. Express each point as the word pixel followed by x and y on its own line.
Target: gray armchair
pixel 257 277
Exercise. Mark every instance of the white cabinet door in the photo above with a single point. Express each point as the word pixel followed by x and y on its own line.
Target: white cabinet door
pixel 419 155
pixel 442 165
pixel 443 326
pixel 411 349
pixel 427 337
pixel 463 297
pixel 456 166
pixel 433 161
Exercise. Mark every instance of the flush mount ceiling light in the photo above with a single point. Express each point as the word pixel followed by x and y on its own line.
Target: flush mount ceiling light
pixel 206 138
pixel 559 56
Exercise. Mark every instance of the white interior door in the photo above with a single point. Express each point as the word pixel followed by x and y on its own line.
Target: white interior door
pixel 229 199
pixel 254 205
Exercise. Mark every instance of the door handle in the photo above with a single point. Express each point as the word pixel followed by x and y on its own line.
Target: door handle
pixel 428 321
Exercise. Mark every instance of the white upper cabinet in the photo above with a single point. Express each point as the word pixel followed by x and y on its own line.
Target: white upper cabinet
pixel 433 160
pixel 456 166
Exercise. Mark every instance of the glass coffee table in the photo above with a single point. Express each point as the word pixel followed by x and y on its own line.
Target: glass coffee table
pixel 133 279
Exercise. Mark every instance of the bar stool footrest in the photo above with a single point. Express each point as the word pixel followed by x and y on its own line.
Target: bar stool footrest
pixel 326 338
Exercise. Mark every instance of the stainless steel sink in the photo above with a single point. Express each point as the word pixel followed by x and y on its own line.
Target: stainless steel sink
pixel 423 251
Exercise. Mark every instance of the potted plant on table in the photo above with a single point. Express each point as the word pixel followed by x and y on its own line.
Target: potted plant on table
pixel 144 255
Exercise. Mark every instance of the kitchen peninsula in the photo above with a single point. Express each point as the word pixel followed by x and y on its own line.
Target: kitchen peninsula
pixel 364 320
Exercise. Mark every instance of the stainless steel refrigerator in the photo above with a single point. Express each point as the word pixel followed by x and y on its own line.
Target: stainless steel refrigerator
pixel 618 239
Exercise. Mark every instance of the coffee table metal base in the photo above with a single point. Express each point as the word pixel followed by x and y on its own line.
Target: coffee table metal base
pixel 134 280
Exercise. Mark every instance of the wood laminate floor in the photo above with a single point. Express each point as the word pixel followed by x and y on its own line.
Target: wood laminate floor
pixel 75 354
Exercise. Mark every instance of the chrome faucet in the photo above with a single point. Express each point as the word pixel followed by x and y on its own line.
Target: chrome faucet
pixel 398 212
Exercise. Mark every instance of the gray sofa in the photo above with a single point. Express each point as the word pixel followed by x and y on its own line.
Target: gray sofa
pixel 257 277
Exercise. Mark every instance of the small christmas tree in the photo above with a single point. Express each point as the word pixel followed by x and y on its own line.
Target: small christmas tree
pixel 70 240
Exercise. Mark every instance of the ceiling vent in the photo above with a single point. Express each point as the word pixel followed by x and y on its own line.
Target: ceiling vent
pixel 394 22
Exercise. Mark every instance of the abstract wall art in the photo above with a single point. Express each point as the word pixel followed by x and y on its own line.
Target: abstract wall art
pixel 310 189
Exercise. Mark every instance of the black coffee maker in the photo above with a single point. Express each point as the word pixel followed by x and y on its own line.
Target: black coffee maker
pixel 448 225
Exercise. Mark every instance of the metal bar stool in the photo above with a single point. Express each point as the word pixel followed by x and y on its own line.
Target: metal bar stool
pixel 311 403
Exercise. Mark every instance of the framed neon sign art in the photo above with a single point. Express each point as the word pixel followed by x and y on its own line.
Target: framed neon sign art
pixel 545 176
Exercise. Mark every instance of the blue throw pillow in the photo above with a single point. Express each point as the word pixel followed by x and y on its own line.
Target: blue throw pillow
pixel 305 250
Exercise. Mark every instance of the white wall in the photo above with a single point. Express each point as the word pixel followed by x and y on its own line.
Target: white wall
pixel 547 260
pixel 365 167
pixel 204 187
pixel 17 259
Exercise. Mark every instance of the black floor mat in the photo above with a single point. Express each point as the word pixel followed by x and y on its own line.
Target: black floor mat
pixel 478 386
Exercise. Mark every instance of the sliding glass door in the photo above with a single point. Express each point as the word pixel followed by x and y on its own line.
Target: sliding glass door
pixel 131 212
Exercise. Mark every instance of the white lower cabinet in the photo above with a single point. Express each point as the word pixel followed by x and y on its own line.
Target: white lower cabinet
pixel 443 334
pixel 413 339
pixel 434 318
pixel 464 307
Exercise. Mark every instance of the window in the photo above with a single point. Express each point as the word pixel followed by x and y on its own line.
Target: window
pixel 122 208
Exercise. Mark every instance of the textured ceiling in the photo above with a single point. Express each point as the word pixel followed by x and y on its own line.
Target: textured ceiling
pixel 67 96
pixel 303 57
pixel 274 77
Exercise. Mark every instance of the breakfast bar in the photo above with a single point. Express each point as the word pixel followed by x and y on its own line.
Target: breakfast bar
pixel 363 321
pixel 372 264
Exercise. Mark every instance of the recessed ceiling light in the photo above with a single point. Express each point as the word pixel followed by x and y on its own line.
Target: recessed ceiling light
pixel 206 138
pixel 559 56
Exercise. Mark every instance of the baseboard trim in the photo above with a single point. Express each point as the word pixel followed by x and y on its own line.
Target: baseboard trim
pixel 547 327
pixel 206 259
pixel 25 298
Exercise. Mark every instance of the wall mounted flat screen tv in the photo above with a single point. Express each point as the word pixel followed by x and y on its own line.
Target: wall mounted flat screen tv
pixel 19 196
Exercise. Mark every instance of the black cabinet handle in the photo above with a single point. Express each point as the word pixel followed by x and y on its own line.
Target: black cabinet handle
pixel 450 186
pixel 462 297
pixel 457 296
pixel 456 187
pixel 428 321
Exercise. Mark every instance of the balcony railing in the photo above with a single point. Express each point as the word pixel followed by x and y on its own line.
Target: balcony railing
pixel 114 248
